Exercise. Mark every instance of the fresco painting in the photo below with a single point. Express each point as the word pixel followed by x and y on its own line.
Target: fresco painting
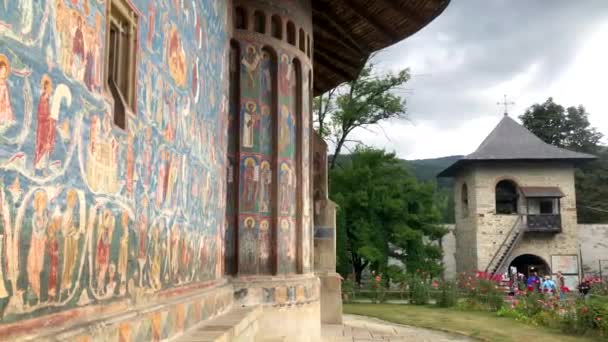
pixel 91 212
pixel 306 216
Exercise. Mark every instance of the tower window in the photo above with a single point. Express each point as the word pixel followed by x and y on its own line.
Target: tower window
pixel 464 200
pixel 121 58
pixel 276 26
pixel 302 41
pixel 240 19
pixel 259 22
pixel 291 33
pixel 506 197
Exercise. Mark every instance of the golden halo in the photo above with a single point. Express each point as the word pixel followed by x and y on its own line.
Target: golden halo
pixel 264 225
pixel 4 59
pixel 284 224
pixel 265 164
pixel 285 166
pixel 247 220
pixel 46 78
pixel 252 104
pixel 249 161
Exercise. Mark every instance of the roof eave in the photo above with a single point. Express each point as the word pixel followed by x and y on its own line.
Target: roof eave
pixel 452 170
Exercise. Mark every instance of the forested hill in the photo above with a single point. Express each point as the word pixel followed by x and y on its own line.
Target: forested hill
pixel 427 170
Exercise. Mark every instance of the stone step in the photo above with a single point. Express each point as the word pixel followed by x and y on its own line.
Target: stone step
pixel 239 324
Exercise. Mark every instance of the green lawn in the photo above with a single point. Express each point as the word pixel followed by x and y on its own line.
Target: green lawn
pixel 483 325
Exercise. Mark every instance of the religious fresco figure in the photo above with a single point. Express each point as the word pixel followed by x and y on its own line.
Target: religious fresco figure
pixel 7 117
pixel 250 63
pixel 286 191
pixel 161 178
pixel 130 165
pixel 286 133
pixel 35 257
pixel 174 251
pixel 266 75
pixel 78 51
pixel 250 119
pixel 105 229
pixel 71 237
pixel 155 255
pixel 151 24
pixel 286 244
pixel 264 246
pixel 266 184
pixel 142 231
pixel 250 184
pixel 52 250
pixel 248 246
pixel 45 131
pixel 123 252
pixel 102 156
pixel 285 76
pixel 177 57
pixel 265 133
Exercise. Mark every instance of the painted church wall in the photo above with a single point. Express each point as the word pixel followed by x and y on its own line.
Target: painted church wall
pixel 92 213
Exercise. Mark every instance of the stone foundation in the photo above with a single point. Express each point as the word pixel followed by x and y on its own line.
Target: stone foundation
pixel 290 304
pixel 158 320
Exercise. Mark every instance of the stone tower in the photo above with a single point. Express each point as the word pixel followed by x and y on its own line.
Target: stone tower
pixel 515 204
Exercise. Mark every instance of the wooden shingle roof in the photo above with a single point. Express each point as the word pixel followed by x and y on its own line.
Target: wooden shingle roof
pixel 510 141
pixel 346 32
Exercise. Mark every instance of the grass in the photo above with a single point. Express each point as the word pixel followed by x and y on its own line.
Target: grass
pixel 481 325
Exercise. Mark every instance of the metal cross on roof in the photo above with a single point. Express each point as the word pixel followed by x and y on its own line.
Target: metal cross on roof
pixel 506 104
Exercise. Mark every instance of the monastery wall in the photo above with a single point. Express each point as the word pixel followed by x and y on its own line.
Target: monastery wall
pixel 97 219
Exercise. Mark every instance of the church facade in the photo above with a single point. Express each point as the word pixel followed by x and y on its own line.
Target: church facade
pixel 515 205
pixel 155 159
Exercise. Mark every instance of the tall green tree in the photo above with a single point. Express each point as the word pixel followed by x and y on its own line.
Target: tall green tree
pixel 384 212
pixel 361 103
pixel 570 128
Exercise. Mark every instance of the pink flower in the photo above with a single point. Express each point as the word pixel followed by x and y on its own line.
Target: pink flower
pixel 378 278
pixel 435 284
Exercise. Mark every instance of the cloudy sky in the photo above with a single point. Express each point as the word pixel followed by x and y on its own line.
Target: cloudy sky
pixel 477 50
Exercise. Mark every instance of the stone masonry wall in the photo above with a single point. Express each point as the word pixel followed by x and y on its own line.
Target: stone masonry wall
pixel 466 246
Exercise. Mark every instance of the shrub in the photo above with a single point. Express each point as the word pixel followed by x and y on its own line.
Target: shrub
pixel 419 290
pixel 448 294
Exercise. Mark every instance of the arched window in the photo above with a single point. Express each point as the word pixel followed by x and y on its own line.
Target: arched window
pixel 259 22
pixel 276 27
pixel 302 41
pixel 308 52
pixel 464 200
pixel 291 33
pixel 506 197
pixel 240 18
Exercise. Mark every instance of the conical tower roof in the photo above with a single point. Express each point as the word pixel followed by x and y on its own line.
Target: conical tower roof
pixel 510 141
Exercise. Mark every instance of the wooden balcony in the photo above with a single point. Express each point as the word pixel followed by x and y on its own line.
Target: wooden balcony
pixel 548 223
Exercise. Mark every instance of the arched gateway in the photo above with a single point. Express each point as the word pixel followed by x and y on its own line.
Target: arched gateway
pixel 530 263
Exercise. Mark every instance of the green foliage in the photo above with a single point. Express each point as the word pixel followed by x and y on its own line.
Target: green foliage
pixel 448 294
pixel 570 128
pixel 383 211
pixel 361 103
pixel 419 290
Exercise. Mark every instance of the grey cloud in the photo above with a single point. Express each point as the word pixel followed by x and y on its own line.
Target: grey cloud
pixel 490 42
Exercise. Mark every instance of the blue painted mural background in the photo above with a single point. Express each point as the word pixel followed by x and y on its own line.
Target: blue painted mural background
pixel 91 212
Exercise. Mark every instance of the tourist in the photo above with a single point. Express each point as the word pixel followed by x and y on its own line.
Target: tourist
pixel 583 288
pixel 561 283
pixel 548 286
pixel 533 282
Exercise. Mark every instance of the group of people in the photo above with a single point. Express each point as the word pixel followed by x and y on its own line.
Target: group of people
pixel 546 284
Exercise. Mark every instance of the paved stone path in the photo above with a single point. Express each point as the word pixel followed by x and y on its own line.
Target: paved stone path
pixel 360 328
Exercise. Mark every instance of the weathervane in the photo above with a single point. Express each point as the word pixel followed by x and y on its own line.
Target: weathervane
pixel 506 104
